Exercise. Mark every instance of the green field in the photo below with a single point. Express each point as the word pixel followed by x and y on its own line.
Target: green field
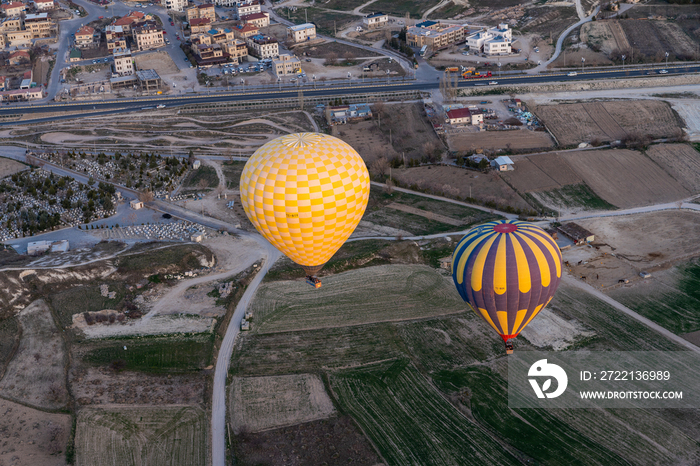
pixel 378 213
pixel 142 435
pixel 409 421
pixel 571 437
pixel 204 176
pixel 314 350
pixel 152 354
pixel 391 292
pixel 232 173
pixel 671 299
pixel 81 299
pixel 575 195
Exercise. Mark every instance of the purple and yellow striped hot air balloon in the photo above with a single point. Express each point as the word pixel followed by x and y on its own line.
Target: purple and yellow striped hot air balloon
pixel 507 271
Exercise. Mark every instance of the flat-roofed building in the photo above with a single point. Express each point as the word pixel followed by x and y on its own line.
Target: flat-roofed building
pixel 147 35
pixel 375 20
pixel 261 46
pixel 41 26
pixel 176 5
pixel 301 32
pixel 201 11
pixel 123 62
pixel 435 35
pixel 286 65
pixel 245 8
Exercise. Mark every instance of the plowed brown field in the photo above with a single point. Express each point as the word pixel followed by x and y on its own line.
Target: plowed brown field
pixel 572 124
pixel 681 161
pixel 541 173
pixel 625 178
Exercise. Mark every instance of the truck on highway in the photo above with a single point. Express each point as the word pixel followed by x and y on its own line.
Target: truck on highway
pixel 476 74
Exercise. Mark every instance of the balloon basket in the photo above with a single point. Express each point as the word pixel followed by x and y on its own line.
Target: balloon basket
pixel 313 281
pixel 509 348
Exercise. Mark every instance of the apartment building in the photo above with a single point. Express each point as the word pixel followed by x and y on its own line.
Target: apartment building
pixel 244 31
pixel 492 41
pixel 198 25
pixel 85 38
pixel 286 65
pixel 201 11
pixel 41 26
pixel 44 5
pixel 435 35
pixel 259 20
pixel 13 9
pixel 147 35
pixel 301 32
pixel 236 49
pixel 176 5
pixel 123 62
pixel 245 8
pixel 260 46
pixel 375 20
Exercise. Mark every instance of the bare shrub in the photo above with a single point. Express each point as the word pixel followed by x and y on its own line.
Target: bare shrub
pixel 331 59
pixel 389 188
pixel 380 166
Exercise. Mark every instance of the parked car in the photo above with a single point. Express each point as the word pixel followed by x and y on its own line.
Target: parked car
pixel 308 59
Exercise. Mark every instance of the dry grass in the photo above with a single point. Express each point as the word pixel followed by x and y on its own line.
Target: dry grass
pixel 484 187
pixel 625 178
pixel 521 139
pixel 261 403
pixel 35 375
pixel 9 167
pixel 141 435
pixel 159 61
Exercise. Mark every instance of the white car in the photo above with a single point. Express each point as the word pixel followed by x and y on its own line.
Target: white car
pixel 572 73
pixel 465 53
pixel 663 72
pixel 493 82
pixel 161 106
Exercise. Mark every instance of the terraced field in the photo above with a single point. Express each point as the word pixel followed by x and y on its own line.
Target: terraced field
pixel 409 421
pixel 124 436
pixel 390 293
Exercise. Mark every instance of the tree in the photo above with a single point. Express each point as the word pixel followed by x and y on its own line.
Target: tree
pixel 331 59
pixel 349 56
pixel 203 184
pixel 380 166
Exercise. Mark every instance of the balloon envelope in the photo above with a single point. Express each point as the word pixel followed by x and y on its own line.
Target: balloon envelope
pixel 305 193
pixel 507 271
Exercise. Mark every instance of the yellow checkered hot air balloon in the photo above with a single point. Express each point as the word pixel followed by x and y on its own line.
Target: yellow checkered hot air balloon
pixel 507 271
pixel 305 193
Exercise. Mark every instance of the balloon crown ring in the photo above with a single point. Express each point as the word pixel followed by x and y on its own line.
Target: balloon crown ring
pixel 505 228
pixel 299 140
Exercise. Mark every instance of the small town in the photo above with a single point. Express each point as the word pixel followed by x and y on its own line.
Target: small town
pixel 289 232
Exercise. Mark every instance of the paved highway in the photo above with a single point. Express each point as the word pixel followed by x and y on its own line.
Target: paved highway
pixel 273 92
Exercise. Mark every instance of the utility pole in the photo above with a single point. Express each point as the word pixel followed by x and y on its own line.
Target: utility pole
pixel 306 15
pixel 335 30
